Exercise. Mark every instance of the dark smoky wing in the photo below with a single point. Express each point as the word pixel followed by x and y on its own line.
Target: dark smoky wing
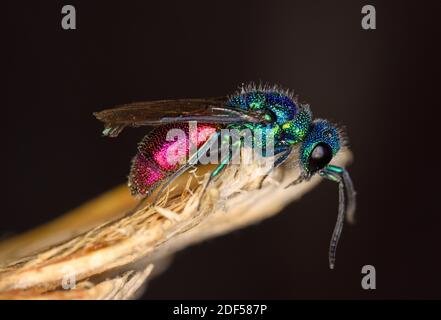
pixel 153 113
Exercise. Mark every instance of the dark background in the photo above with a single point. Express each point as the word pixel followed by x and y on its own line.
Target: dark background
pixel 381 84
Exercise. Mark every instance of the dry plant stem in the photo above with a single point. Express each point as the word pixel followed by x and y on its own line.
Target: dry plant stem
pixel 114 259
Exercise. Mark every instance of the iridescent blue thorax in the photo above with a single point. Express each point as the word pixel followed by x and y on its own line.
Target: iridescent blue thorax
pixel 288 119
pixel 282 107
pixel 289 122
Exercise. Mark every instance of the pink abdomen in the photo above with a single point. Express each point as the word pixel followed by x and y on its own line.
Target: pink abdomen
pixel 163 151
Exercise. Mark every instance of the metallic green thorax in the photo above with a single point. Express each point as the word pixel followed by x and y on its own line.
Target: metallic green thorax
pixel 296 130
pixel 289 122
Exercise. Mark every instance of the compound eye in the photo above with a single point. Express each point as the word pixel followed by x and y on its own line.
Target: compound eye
pixel 320 156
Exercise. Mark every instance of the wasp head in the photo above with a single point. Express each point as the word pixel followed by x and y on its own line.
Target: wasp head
pixel 320 145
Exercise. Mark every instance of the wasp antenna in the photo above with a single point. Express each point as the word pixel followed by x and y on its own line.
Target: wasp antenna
pixel 346 207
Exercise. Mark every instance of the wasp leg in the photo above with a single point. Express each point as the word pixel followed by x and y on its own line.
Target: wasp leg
pixel 286 151
pixel 169 180
pixel 300 179
pixel 143 200
pixel 232 148
pixel 214 174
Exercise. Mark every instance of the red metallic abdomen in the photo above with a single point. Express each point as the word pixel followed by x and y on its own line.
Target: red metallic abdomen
pixel 163 151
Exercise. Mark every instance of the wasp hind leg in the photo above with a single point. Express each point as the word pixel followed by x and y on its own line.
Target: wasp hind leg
pixel 143 200
pixel 163 187
pixel 213 175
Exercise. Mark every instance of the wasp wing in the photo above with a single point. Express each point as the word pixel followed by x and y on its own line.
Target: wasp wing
pixel 154 113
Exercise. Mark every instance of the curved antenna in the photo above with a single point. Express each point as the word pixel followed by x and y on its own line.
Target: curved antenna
pixel 346 207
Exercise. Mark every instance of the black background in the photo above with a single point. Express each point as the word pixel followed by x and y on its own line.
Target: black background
pixel 381 84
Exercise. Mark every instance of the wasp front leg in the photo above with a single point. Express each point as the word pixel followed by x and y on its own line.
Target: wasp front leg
pixel 226 152
pixel 284 151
